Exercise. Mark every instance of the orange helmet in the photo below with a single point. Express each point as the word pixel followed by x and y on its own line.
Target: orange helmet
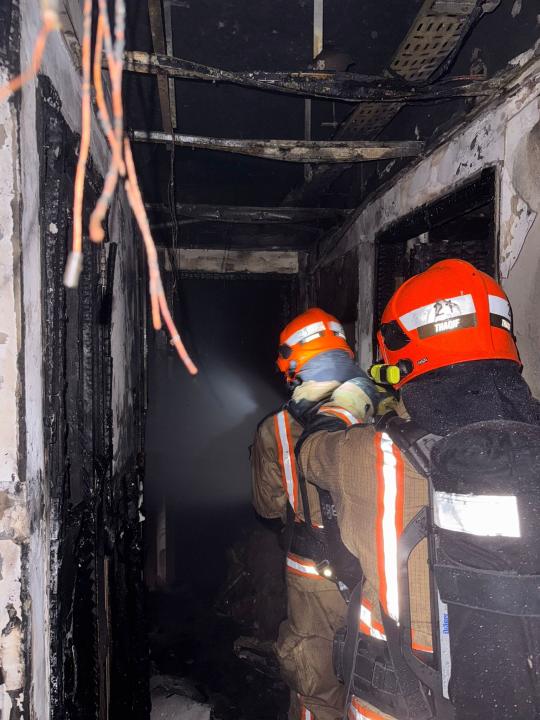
pixel 449 314
pixel 310 334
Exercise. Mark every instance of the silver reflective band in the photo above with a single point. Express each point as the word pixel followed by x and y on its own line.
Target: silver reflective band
pixel 305 332
pixel 337 328
pixel 500 314
pixel 484 515
pixel 500 306
pixel 438 311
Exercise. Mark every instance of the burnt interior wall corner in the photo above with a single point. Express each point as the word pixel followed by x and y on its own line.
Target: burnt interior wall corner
pixel 90 510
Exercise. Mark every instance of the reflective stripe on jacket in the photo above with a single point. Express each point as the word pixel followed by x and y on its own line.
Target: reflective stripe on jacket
pixel 376 493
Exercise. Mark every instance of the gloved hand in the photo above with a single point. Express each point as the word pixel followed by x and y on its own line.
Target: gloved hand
pixel 386 402
pixel 363 399
pixel 358 396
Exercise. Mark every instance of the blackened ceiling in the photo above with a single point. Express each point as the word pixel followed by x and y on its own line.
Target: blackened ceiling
pixel 276 35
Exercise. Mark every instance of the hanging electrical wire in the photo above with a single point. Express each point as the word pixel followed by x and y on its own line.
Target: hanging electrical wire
pixel 157 294
pixel 121 162
pixel 74 263
pixel 116 166
pixel 49 22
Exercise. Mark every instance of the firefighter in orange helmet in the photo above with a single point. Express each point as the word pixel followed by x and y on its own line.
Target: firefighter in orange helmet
pixel 448 483
pixel 315 359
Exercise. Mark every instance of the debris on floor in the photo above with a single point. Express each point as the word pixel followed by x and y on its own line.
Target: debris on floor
pixel 175 698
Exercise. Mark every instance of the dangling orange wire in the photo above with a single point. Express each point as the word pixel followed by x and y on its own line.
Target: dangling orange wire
pixel 48 24
pixel 158 300
pixel 74 263
pixel 121 156
pixel 115 59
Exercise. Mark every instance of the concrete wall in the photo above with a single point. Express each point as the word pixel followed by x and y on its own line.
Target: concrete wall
pixel 504 134
pixel 25 528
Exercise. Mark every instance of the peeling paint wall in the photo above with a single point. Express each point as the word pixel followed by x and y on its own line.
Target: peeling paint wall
pixel 504 135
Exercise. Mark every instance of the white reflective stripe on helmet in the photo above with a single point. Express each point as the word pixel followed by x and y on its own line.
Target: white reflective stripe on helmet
pixel 438 311
pixel 500 306
pixel 390 494
pixel 337 328
pixel 286 457
pixel 483 515
pixel 301 566
pixel 304 333
pixel 499 312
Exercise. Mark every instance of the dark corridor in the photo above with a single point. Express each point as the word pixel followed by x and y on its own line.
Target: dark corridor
pixel 199 519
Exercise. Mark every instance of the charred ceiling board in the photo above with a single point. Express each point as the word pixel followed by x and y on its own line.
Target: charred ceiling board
pixel 256 215
pixel 433 36
pixel 347 87
pixel 303 151
pixel 232 261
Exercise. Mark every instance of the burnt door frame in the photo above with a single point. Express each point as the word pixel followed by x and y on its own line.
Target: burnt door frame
pixel 391 243
pixel 77 370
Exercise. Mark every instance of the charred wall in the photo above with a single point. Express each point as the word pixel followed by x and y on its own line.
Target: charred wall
pixel 72 392
pixel 97 653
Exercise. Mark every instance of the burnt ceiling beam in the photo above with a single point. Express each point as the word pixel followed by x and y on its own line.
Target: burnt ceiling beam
pixel 302 151
pixel 347 87
pixel 158 42
pixel 255 215
pixel 269 237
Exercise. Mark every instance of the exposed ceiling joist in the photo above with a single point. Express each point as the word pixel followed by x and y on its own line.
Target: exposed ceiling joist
pixel 346 87
pixel 302 151
pixel 255 215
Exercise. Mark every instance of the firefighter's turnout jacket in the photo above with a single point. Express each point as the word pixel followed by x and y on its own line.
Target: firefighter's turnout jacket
pixel 376 493
pixel 316 608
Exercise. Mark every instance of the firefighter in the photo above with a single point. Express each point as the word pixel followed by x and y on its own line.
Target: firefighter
pixel 315 359
pixel 469 432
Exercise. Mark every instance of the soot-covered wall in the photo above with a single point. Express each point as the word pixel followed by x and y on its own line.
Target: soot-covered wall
pixel 72 371
pixel 199 429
